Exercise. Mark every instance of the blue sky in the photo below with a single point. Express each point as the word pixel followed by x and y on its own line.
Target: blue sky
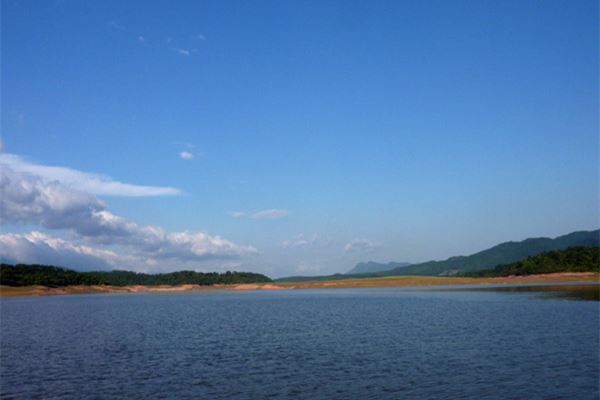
pixel 344 131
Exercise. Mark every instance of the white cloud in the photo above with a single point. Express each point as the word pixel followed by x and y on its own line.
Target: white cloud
pixel 360 245
pixel 29 199
pixel 84 181
pixel 186 155
pixel 301 241
pixel 273 213
pixel 195 246
pixel 185 52
pixel 39 248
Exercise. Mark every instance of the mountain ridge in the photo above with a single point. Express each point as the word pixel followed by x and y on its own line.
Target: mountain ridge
pixel 503 253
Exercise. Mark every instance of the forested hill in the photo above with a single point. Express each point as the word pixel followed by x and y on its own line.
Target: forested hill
pixel 504 253
pixel 573 259
pixel 26 275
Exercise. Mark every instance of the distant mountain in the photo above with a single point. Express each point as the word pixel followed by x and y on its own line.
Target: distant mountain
pixel 372 266
pixel 505 253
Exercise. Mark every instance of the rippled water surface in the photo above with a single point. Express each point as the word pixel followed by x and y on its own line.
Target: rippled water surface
pixel 305 344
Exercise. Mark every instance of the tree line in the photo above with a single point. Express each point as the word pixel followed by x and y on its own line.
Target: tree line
pixel 573 259
pixel 46 275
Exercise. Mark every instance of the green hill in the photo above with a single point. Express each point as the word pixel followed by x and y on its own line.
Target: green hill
pixel 573 259
pixel 504 253
pixel 27 275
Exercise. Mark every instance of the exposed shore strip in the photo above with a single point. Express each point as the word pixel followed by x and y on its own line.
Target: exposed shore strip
pixel 391 281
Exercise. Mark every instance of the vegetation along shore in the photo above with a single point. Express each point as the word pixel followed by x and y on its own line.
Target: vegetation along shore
pixel 575 264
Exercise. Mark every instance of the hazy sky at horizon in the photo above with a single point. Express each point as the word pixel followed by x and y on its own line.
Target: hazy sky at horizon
pixel 295 137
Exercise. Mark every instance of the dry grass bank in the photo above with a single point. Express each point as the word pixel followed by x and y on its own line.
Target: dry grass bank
pixel 389 281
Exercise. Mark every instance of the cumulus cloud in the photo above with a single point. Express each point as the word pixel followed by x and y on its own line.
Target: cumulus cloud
pixel 84 181
pixel 360 245
pixel 29 199
pixel 186 155
pixel 301 241
pixel 39 248
pixel 197 246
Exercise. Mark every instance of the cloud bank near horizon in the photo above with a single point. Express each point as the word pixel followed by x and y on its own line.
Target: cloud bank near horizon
pixel 98 237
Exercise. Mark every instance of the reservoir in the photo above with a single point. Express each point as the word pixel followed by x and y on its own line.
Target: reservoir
pixel 383 343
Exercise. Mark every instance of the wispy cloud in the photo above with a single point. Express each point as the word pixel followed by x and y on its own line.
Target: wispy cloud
pixel 273 213
pixel 84 181
pixel 141 39
pixel 302 241
pixel 115 24
pixel 185 52
pixel 360 245
pixel 186 155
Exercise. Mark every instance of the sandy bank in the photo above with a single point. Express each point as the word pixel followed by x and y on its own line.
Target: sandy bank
pixel 391 281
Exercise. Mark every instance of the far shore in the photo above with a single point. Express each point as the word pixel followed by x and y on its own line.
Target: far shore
pixel 391 281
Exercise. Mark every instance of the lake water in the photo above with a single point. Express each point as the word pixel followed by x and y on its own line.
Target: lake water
pixel 387 343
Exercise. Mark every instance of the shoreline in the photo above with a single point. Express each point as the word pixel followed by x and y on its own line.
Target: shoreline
pixel 392 281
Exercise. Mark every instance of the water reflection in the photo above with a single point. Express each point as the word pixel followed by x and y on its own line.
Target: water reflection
pixel 588 292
